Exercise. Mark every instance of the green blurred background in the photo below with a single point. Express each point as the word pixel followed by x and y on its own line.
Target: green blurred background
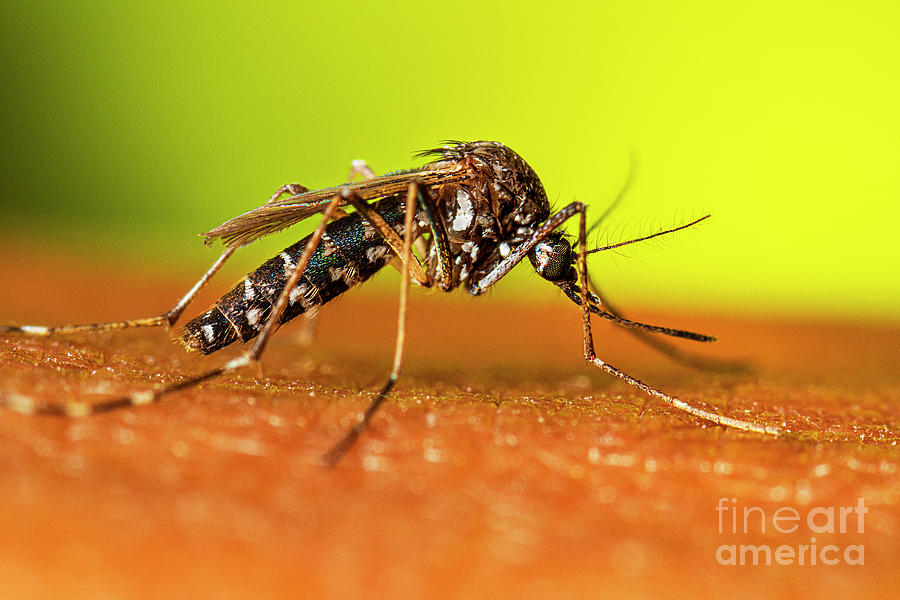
pixel 129 128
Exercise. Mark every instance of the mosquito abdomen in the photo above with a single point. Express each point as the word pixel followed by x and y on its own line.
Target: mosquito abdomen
pixel 350 252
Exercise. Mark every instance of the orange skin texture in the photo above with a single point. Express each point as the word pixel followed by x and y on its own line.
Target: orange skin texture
pixel 500 463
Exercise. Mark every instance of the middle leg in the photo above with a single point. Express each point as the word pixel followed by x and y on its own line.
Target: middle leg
pixel 333 456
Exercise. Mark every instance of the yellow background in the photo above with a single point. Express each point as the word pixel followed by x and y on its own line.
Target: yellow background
pixel 129 128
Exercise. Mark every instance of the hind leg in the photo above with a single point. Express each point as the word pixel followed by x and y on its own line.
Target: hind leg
pixel 166 319
pixel 29 405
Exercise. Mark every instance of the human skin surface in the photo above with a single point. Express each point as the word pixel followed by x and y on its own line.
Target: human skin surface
pixel 501 463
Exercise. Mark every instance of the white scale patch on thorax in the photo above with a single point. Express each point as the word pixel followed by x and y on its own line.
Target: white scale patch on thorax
pixel 465 212
pixel 471 248
pixel 249 292
pixel 523 217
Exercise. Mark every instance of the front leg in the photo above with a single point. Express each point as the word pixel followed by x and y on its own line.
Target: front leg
pixel 591 357
pixel 515 257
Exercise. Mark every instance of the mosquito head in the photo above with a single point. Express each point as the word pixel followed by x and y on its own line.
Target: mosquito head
pixel 553 259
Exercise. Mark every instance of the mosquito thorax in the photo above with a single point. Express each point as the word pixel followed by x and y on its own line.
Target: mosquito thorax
pixel 501 203
pixel 553 259
pixel 501 200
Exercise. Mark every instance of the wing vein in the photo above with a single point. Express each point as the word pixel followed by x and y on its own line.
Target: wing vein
pixel 283 213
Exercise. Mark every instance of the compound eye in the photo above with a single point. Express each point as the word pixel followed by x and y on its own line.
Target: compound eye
pixel 552 259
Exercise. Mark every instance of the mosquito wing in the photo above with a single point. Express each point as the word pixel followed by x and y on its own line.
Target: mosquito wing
pixel 280 214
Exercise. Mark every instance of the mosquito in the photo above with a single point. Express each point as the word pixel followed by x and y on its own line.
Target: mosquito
pixel 471 214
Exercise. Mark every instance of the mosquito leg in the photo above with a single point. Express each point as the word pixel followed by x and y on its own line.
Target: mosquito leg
pixel 289 189
pixel 522 250
pixel 591 357
pixel 173 315
pixel 573 291
pixel 310 322
pixel 360 167
pixel 387 232
pixel 166 319
pixel 687 359
pixel 438 231
pixel 333 456
pixel 439 234
pixel 439 239
pixel 27 405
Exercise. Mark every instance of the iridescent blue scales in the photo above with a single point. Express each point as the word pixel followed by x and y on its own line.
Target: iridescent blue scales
pixel 351 251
